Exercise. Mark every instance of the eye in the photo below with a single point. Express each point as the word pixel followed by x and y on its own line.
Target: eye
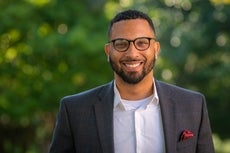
pixel 142 42
pixel 121 43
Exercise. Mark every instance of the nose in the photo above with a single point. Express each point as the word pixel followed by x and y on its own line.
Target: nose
pixel 132 49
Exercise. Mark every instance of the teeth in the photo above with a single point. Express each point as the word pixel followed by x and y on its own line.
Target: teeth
pixel 132 65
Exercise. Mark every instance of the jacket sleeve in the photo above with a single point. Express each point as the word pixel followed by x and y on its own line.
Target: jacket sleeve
pixel 205 142
pixel 62 141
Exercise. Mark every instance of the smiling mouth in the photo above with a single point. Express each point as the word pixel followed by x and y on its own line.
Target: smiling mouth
pixel 129 65
pixel 132 65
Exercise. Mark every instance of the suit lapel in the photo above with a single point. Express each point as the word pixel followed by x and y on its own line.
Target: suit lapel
pixel 168 114
pixel 104 118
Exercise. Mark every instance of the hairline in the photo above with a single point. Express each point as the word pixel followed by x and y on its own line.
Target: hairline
pixel 130 15
pixel 110 28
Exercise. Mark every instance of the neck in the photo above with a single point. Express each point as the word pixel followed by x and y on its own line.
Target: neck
pixel 137 91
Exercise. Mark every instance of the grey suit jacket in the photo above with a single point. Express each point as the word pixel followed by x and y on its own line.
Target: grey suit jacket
pixel 85 121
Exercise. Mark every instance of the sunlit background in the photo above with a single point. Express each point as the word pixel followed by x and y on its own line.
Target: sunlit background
pixel 53 48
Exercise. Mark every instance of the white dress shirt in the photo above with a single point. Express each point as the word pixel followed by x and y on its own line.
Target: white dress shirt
pixel 138 125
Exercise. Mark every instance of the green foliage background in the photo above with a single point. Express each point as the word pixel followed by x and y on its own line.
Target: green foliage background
pixel 53 48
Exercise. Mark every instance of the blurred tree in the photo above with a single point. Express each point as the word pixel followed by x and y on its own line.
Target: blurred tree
pixel 48 49
pixel 52 48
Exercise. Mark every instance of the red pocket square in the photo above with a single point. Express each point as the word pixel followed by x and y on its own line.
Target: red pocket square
pixel 186 134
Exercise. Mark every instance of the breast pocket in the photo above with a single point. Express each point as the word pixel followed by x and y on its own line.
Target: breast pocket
pixel 186 146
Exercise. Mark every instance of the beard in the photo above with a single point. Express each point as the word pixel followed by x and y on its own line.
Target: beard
pixel 133 77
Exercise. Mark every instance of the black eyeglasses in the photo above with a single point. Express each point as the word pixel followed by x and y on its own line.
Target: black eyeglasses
pixel 122 45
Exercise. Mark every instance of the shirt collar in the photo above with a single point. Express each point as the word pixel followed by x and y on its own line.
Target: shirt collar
pixel 117 97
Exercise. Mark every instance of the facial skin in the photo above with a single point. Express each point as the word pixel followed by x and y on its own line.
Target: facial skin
pixel 133 65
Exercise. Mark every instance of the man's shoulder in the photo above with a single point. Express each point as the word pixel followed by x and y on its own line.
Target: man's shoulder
pixel 89 94
pixel 176 90
pixel 185 99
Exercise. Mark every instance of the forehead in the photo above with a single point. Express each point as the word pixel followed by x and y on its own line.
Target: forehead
pixel 131 29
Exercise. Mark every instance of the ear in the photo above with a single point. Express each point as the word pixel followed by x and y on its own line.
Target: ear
pixel 156 49
pixel 107 50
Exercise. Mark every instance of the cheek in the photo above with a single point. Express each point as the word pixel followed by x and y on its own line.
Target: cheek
pixel 150 56
pixel 115 56
pixel 114 60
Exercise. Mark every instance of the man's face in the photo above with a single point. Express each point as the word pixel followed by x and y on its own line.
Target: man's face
pixel 132 65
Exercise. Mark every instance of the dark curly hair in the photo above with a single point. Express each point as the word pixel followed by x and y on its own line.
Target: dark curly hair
pixel 130 14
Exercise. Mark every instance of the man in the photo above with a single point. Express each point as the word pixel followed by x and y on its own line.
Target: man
pixel 135 113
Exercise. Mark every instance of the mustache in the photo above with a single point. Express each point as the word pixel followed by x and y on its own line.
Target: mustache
pixel 131 59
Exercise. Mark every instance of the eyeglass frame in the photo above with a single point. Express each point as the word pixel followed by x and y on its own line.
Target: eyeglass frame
pixel 133 41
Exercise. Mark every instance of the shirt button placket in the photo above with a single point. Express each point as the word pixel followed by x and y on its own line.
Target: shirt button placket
pixel 138 124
